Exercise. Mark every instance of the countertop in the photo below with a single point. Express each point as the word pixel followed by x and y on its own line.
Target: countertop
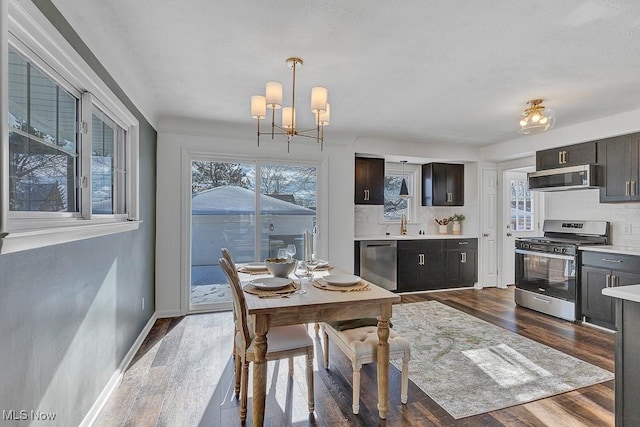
pixel 416 237
pixel 629 293
pixel 612 249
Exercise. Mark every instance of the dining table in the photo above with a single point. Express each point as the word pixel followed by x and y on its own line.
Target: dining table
pixel 312 306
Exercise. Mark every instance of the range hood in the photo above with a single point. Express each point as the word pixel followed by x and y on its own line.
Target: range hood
pixel 562 179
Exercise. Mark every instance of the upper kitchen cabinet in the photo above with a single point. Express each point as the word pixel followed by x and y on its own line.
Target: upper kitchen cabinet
pixel 369 181
pixel 442 184
pixel 618 160
pixel 570 155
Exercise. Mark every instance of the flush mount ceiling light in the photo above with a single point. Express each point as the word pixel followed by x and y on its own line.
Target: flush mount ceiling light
pixel 536 118
pixel 404 191
pixel 273 101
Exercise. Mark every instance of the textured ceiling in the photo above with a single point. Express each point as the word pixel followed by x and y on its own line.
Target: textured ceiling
pixel 446 71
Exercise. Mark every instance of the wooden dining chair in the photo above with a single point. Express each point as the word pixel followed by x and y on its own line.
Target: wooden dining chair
pixel 282 342
pixel 360 345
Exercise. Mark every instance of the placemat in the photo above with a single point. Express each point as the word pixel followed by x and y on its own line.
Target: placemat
pixel 323 284
pixel 324 268
pixel 252 271
pixel 289 289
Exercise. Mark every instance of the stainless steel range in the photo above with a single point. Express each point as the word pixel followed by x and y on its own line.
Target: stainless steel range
pixel 546 266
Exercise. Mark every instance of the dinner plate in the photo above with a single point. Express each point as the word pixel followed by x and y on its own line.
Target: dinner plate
pixel 270 283
pixel 322 263
pixel 255 266
pixel 341 279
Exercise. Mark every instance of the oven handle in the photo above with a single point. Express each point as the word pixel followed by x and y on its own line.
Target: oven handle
pixel 545 255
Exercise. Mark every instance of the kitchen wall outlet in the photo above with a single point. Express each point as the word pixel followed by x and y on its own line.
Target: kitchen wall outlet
pixel 626 229
pixel 142 303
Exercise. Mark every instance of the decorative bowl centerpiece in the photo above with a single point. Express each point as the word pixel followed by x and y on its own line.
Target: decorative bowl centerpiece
pixel 280 267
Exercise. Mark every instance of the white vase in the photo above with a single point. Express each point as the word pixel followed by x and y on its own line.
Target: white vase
pixel 442 229
pixel 456 227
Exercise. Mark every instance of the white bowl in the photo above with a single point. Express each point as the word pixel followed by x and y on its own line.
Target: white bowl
pixel 281 269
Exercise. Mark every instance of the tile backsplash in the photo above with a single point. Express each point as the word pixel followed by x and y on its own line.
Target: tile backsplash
pixel 585 205
pixel 368 220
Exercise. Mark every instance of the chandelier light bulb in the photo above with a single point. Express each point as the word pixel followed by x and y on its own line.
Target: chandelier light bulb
pixel 536 117
pixel 324 117
pixel 543 120
pixel 288 118
pixel 523 122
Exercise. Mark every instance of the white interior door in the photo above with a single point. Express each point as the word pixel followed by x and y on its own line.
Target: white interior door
pixel 489 229
pixel 520 218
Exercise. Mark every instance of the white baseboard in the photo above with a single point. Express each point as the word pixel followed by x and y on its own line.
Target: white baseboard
pixel 168 313
pixel 116 378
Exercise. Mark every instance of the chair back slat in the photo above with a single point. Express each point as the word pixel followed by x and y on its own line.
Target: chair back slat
pixel 227 255
pixel 239 304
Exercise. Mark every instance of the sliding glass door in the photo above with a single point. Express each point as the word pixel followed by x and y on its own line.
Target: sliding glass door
pixel 225 210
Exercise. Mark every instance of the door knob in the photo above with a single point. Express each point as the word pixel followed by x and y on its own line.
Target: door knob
pixel 485 234
pixel 509 234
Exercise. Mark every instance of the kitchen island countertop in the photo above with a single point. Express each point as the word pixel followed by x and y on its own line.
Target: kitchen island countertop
pixel 629 292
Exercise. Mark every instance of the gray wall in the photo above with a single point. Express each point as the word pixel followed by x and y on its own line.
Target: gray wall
pixel 69 313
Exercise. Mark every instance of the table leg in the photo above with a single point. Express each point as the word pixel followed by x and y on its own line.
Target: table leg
pixel 261 328
pixel 383 359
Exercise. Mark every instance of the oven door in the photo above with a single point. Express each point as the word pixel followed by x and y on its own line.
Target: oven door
pixel 546 273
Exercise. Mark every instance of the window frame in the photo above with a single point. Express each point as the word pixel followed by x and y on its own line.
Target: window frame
pixel 29 33
pixel 411 172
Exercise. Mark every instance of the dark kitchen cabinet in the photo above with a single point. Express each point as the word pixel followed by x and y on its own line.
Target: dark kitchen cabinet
pixel 421 265
pixel 369 189
pixel 462 262
pixel 627 382
pixel 619 163
pixel 602 270
pixel 442 184
pixel 570 155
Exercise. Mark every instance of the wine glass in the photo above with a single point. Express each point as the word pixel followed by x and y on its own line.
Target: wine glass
pixel 282 253
pixel 312 264
pixel 301 272
pixel 291 251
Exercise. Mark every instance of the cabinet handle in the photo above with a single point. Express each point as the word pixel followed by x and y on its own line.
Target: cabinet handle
pixel 614 281
pixel 463 243
pixel 366 194
pixel 420 259
pixel 449 197
pixel 559 157
pixel 607 281
pixel 610 260
pixel 627 187
pixel 463 257
pixel 633 188
pixel 564 157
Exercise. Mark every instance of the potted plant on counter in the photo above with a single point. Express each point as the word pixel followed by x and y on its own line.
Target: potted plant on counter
pixel 442 225
pixel 456 219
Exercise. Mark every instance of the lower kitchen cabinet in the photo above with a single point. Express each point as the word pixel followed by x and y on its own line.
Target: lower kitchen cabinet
pixel 421 265
pixel 603 270
pixel 437 264
pixel 462 262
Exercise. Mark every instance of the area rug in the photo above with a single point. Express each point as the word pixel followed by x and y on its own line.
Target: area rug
pixel 469 366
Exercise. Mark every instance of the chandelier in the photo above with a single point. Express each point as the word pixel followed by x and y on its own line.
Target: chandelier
pixel 273 101
pixel 536 118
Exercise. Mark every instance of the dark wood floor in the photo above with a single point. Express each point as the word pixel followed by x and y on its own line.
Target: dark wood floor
pixel 183 376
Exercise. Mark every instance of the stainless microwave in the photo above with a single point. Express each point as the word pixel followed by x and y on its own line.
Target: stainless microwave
pixel 570 178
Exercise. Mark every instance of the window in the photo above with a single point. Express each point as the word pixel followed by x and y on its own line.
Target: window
pixel 394 205
pixel 521 206
pixel 42 141
pixel 72 145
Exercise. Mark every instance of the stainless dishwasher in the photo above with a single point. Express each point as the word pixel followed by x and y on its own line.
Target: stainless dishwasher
pixel 378 259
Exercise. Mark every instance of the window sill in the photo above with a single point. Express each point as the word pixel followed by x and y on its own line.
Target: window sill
pixel 26 239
